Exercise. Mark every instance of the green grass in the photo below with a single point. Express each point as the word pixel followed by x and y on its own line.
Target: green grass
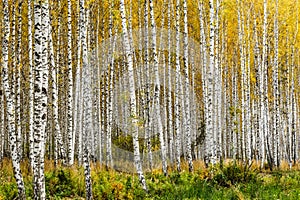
pixel 229 182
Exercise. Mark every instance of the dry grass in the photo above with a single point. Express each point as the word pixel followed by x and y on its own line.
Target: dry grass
pixel 6 166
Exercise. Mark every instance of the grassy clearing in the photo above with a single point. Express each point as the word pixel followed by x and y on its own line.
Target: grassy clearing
pixel 232 181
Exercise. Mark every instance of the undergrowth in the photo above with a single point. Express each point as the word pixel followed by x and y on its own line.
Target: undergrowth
pixel 231 181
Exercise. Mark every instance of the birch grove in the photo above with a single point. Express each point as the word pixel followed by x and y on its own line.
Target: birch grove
pixel 136 86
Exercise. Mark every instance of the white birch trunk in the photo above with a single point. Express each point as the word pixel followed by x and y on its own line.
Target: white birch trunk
pixel 264 88
pixel 110 91
pixel 18 81
pixel 177 127
pixel 87 103
pixel 293 115
pixel 203 50
pixel 2 130
pixel 40 94
pixel 261 123
pixel 31 82
pixel 169 98
pixel 235 117
pixel 248 98
pixel 257 61
pixel 70 89
pixel 137 159
pixel 147 87
pixel 187 89
pixel 157 89
pixel 276 112
pixel 77 130
pixel 243 81
pixel 217 86
pixel 10 106
pixel 211 140
pixel 58 140
pixel 98 85
pixel 91 138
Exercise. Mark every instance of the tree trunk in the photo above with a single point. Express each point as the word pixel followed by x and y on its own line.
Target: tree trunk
pixel 87 103
pixel 134 117
pixel 10 106
pixel 58 140
pixel 41 17
pixel 211 140
pixel 177 126
pixel 70 89
pixel 187 88
pixel 276 112
pixel 157 90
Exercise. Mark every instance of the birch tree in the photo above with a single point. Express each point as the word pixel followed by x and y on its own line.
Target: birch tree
pixel 241 37
pixel 10 106
pixel 18 80
pixel 31 81
pixel 203 50
pixel 41 20
pixel 2 130
pixel 58 140
pixel 110 97
pixel 77 129
pixel 169 95
pixel 148 121
pixel 187 89
pixel 157 89
pixel 210 145
pixel 87 102
pixel 70 89
pixel 134 119
pixel 259 88
pixel 263 89
pixel 276 112
pixel 177 91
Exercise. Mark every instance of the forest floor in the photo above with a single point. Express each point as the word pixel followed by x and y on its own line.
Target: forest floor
pixel 231 181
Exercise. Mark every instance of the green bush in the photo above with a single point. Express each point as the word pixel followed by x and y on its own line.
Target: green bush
pixel 59 184
pixel 234 174
pixel 8 190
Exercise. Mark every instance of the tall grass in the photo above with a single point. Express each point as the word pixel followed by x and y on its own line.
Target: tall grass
pixel 232 180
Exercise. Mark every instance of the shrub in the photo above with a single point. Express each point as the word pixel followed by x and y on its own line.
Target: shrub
pixel 8 190
pixel 234 174
pixel 59 184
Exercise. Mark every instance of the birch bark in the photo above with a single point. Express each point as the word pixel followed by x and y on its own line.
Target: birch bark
pixel 41 20
pixel 177 126
pixel 18 80
pixel 211 140
pixel 264 88
pixel 58 140
pixel 77 130
pixel 157 89
pixel 70 89
pixel 87 102
pixel 169 98
pixel 10 106
pixel 134 119
pixel 148 122
pixel 187 89
pixel 276 112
